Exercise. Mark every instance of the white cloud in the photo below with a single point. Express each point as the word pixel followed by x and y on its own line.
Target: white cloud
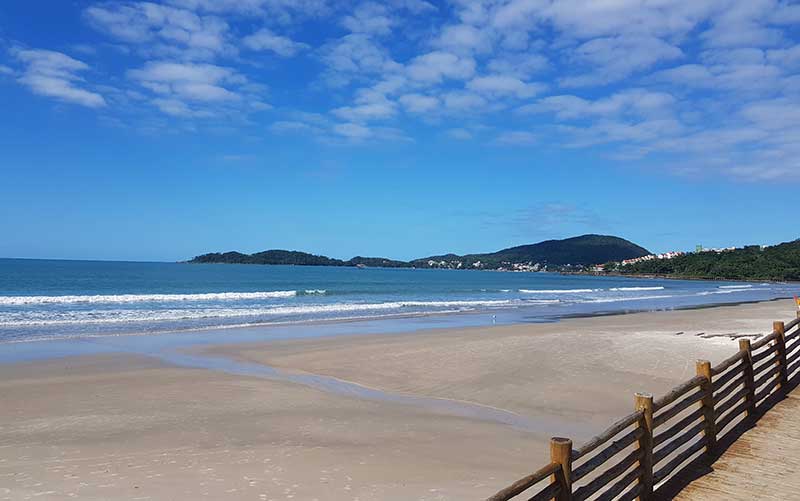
pixel 161 30
pixel 520 65
pixel 632 102
pixel 328 131
pixel 197 90
pixel 460 101
pixel 53 74
pixel 414 6
pixel 355 56
pixel 785 58
pixel 370 104
pixel 504 85
pixel 745 78
pixel 371 18
pixel 464 37
pixel 180 73
pixel 294 126
pixel 265 39
pixel 618 131
pixel 743 24
pixel 283 11
pixel 436 66
pixel 707 82
pixel 582 19
pixel 352 130
pixel 779 114
pixel 366 111
pixel 419 103
pixel 687 74
pixel 612 59
pixel 179 108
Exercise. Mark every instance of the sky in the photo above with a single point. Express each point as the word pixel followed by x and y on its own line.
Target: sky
pixel 403 128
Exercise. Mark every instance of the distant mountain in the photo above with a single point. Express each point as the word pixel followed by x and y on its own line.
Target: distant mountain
pixel 585 250
pixel 576 252
pixel 776 262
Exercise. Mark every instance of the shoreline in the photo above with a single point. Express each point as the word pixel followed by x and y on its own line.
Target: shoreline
pixel 323 323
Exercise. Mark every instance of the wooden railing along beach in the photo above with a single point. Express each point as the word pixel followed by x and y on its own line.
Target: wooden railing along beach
pixel 641 453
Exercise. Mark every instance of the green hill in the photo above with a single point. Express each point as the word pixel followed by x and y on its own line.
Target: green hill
pixel 377 262
pixel 584 250
pixel 276 256
pixel 777 262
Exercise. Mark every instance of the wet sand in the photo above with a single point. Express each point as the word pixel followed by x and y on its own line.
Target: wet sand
pixel 127 426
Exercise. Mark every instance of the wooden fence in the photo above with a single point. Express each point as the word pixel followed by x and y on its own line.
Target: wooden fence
pixel 641 451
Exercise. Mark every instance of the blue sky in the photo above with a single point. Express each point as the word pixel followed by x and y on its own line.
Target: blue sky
pixel 403 128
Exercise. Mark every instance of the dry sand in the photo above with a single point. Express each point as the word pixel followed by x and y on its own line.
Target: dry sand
pixel 130 427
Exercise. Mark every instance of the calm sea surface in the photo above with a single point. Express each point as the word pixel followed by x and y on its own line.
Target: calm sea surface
pixel 43 299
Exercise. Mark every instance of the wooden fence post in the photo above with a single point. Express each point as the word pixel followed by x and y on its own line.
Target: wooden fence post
pixel 561 453
pixel 783 375
pixel 749 380
pixel 703 368
pixel 644 403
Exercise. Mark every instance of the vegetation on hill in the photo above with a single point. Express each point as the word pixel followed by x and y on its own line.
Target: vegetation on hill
pixel 585 250
pixel 571 253
pixel 377 262
pixel 269 257
pixel 778 262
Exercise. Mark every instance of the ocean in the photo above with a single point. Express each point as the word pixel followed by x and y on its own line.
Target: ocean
pixel 55 299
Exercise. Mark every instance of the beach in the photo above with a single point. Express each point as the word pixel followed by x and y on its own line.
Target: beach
pixel 428 415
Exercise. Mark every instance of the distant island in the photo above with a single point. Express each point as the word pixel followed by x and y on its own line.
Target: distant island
pixel 571 254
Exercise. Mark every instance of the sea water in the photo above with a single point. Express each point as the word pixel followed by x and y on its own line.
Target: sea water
pixel 53 299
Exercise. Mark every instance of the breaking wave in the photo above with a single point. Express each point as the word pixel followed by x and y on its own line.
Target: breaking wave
pixel 124 316
pixel 620 299
pixel 620 289
pixel 143 298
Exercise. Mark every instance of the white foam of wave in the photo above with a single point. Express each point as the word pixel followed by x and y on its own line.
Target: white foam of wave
pixel 142 298
pixel 505 290
pixel 729 291
pixel 619 299
pixel 557 291
pixel 310 292
pixel 734 286
pixel 123 316
pixel 200 328
pixel 621 289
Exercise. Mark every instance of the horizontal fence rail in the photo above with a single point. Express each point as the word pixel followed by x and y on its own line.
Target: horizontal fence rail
pixel 644 449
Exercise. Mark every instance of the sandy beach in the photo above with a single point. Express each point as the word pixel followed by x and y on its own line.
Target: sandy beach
pixel 123 426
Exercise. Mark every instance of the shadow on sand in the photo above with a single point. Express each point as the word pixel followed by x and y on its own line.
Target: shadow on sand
pixel 704 464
